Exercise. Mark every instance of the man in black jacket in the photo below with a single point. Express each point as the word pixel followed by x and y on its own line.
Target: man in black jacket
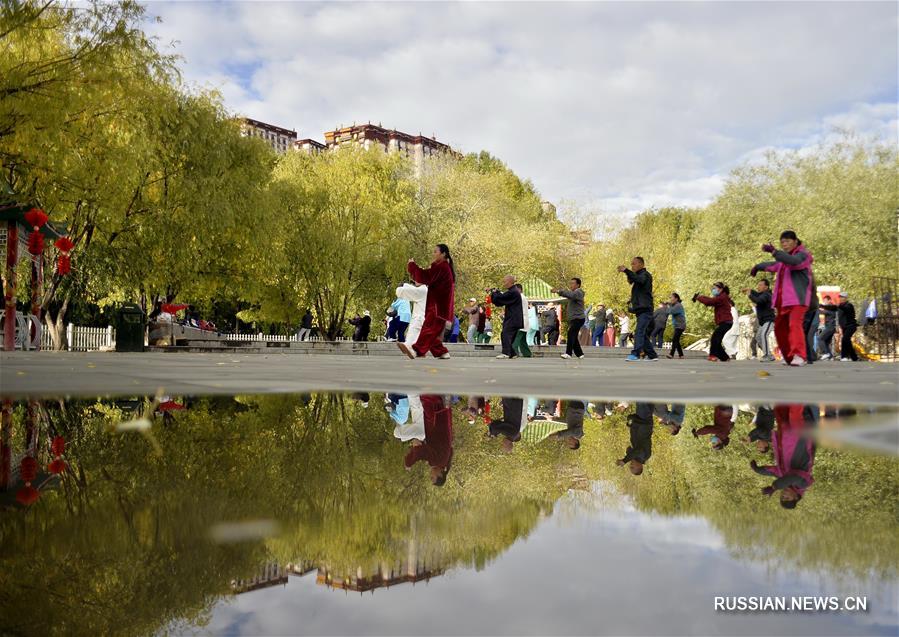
pixel 640 424
pixel 513 319
pixel 641 305
pixel 848 324
pixel 764 313
pixel 362 325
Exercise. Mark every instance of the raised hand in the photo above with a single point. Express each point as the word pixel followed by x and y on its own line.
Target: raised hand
pixel 768 247
pixel 753 271
pixel 622 268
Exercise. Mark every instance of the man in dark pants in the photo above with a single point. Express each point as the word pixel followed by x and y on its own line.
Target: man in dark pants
pixel 848 324
pixel 761 298
pixel 577 315
pixel 658 325
pixel 513 319
pixel 641 305
pixel 825 339
pixel 640 424
pixel 549 322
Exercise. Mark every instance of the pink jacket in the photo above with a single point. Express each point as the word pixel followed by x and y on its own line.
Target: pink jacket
pixel 793 282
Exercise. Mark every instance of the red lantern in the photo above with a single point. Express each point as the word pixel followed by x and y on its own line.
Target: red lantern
pixel 27 495
pixel 35 242
pixel 58 446
pixel 64 264
pixel 36 218
pixel 28 469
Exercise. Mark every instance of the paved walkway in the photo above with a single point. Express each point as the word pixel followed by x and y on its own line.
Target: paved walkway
pixel 101 374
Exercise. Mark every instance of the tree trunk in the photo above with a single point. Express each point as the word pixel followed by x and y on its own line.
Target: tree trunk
pixel 56 326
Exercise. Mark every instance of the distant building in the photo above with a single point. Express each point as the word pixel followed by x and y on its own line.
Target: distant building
pixel 280 139
pixel 418 148
pixel 309 146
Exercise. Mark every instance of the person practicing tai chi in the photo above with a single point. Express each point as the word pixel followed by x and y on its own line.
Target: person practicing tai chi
pixel 793 286
pixel 441 281
pixel 416 295
pixel 513 318
pixel 764 312
pixel 720 300
pixel 577 316
pixel 641 306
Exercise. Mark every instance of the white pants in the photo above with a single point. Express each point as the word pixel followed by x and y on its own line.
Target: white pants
pixel 414 330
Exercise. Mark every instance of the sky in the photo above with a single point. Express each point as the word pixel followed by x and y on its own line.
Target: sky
pixel 610 107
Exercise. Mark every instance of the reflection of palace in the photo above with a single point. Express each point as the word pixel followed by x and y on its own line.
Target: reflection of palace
pixel 411 569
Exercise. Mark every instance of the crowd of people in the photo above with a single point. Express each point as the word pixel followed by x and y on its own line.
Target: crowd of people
pixel 803 327
pixel 785 433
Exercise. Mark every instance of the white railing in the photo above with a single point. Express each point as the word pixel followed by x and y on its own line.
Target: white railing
pixel 275 338
pixel 82 339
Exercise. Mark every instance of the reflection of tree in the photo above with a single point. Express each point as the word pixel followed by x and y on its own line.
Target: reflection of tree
pixel 123 545
pixel 845 526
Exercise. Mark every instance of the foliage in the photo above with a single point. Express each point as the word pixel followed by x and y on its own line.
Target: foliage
pixel 841 199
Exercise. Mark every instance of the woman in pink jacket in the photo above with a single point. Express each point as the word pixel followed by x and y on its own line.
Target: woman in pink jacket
pixel 792 294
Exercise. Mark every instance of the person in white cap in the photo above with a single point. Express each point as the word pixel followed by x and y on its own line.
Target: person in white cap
pixel 416 295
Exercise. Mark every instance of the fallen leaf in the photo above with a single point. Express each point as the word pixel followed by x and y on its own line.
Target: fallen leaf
pixel 762 373
pixel 20 373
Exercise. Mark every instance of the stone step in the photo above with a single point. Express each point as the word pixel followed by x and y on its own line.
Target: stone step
pixel 381 348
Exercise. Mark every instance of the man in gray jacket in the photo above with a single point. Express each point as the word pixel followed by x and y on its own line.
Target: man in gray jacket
pixel 576 317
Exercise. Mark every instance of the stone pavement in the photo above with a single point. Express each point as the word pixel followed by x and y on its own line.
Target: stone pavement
pixel 50 374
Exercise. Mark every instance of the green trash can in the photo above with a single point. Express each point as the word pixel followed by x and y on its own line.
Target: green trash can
pixel 130 327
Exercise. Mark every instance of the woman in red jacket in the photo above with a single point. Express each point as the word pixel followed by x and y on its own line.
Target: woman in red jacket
pixel 441 281
pixel 720 300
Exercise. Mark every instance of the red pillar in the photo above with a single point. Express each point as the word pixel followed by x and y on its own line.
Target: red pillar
pixel 9 294
pixel 37 284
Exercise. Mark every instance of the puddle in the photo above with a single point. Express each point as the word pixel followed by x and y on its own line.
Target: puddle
pixel 445 515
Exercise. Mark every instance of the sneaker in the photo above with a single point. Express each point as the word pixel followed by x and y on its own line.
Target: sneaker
pixel 798 361
pixel 651 360
pixel 826 357
pixel 845 360
pixel 445 356
pixel 581 356
pixel 714 359
pixel 631 358
pixel 408 351
pixel 502 356
pixel 566 356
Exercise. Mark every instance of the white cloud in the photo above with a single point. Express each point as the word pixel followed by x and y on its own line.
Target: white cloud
pixel 624 105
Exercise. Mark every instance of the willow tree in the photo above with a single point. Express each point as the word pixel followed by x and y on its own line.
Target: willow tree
pixel 331 239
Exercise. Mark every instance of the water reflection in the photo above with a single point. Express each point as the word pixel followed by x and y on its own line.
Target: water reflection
pixel 111 529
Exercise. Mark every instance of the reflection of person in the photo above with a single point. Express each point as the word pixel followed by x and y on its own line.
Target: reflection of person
pixel 640 423
pixel 574 419
pixel 764 425
pixel 509 426
pixel 793 285
pixel 441 281
pixel 724 418
pixel 672 418
pixel 437 447
pixel 794 454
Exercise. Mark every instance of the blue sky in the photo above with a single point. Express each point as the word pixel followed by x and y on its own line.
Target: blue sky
pixel 613 106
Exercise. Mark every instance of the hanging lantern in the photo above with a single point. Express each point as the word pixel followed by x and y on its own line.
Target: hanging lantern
pixel 58 448
pixel 64 263
pixel 35 242
pixel 35 218
pixel 27 495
